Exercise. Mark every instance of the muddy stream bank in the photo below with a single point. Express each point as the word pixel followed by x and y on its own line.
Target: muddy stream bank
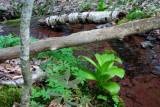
pixel 141 85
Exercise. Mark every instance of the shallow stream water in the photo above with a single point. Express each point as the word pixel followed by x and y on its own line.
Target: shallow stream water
pixel 140 87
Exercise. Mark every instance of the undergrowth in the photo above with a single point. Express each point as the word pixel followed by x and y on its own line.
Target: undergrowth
pixel 9 95
pixel 67 83
pixel 11 40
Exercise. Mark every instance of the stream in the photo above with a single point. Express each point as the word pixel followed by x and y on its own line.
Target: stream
pixel 141 85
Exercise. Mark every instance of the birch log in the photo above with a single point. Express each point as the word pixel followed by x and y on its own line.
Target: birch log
pixel 24 52
pixel 85 17
pixel 119 32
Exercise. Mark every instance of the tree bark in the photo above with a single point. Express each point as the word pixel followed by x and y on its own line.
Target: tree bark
pixel 83 18
pixel 24 52
pixel 119 32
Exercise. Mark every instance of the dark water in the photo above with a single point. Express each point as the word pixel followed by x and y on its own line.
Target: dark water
pixel 42 32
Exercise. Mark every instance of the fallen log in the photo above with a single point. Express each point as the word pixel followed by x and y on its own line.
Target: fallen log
pixel 83 18
pixel 37 75
pixel 54 43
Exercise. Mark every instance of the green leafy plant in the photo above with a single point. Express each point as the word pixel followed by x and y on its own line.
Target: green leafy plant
pixel 41 8
pixel 101 7
pixel 105 70
pixel 60 87
pixel 65 97
pixel 10 41
pixel 122 21
pixel 57 68
pixel 63 59
pixel 87 5
pixel 136 14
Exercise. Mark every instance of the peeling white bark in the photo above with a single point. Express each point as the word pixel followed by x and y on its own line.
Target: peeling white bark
pixel 85 17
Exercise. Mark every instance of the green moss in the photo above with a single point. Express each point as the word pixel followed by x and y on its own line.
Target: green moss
pixel 9 95
pixel 80 49
pixel 122 21
pixel 13 23
pixel 76 48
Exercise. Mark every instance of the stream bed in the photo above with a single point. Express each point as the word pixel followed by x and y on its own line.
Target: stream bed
pixel 140 86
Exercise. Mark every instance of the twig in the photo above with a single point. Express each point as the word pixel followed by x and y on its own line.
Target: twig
pixel 10 79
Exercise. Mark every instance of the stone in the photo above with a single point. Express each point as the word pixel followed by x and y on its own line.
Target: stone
pixel 124 84
pixel 156 69
pixel 146 44
pixel 151 38
pixel 104 26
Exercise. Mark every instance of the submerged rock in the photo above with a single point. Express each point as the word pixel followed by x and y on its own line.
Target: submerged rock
pixel 156 69
pixel 104 26
pixel 151 38
pixel 146 44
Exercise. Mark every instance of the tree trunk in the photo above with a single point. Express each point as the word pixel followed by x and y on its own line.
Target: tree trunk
pixel 24 52
pixel 85 17
pixel 120 31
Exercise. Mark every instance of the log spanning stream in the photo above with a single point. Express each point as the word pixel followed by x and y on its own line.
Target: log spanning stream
pixel 141 84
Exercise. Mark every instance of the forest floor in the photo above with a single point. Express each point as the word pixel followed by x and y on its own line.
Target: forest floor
pixel 141 85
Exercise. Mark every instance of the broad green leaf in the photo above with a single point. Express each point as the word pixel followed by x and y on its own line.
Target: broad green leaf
pixel 99 59
pixel 112 87
pixel 67 75
pixel 107 66
pixel 90 60
pixel 89 75
pixel 115 71
pixel 58 100
pixel 108 57
pixel 118 60
pixel 114 67
pixel 105 78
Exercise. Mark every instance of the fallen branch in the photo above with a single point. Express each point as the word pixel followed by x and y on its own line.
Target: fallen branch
pixel 36 75
pixel 10 79
pixel 85 17
pixel 119 32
